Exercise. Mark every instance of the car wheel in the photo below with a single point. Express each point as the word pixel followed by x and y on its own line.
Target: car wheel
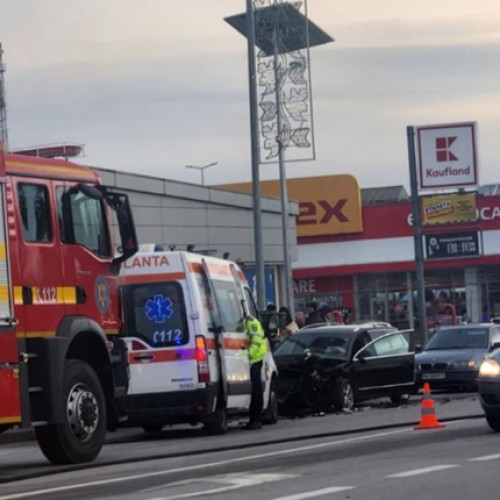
pixel 400 399
pixel 271 414
pixel 493 422
pixel 343 395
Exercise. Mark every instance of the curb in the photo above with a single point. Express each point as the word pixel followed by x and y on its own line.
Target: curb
pixel 25 435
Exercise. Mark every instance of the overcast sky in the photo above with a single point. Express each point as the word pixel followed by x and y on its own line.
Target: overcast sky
pixel 154 85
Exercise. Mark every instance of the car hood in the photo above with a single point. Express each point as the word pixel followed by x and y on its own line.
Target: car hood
pixel 450 355
pixel 296 362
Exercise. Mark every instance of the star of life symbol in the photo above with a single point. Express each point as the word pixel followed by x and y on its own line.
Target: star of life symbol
pixel 159 308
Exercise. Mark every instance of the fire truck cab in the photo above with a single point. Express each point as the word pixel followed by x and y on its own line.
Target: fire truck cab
pixel 62 366
pixel 183 326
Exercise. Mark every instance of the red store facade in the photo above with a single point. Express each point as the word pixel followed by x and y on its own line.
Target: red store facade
pixel 372 272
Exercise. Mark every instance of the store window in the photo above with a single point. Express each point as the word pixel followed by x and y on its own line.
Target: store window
pixel 321 291
pixel 384 297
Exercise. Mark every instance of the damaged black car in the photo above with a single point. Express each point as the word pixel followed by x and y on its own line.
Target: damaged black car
pixel 335 367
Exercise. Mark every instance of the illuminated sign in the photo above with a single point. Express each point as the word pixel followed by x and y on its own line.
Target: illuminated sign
pixel 328 205
pixel 449 208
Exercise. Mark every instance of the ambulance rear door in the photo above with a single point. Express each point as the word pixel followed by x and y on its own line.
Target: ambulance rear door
pixel 161 350
pixel 10 404
pixel 232 338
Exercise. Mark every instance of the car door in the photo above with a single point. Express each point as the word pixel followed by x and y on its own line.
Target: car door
pixel 385 366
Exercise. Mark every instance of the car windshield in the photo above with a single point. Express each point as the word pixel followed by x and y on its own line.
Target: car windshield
pixel 459 338
pixel 332 344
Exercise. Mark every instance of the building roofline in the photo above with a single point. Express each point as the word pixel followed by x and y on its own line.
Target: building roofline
pixel 188 191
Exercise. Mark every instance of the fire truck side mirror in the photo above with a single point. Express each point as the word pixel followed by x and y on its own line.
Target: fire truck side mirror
pixel 89 191
pixel 129 244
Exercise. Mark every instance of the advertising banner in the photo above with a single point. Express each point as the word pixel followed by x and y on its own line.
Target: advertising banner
pixel 453 245
pixel 442 209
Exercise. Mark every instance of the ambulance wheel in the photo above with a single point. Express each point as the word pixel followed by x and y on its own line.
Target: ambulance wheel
pixel 271 414
pixel 80 435
pixel 217 422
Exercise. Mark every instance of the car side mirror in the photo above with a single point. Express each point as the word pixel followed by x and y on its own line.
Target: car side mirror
pixel 418 348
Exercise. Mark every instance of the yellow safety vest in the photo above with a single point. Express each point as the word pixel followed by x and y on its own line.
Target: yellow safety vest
pixel 257 347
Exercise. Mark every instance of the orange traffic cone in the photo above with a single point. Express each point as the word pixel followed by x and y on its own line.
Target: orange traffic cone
pixel 428 419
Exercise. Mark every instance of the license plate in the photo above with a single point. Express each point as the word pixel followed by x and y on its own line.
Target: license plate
pixel 432 376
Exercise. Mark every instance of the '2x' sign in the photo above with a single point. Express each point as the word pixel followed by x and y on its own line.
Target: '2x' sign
pixel 321 212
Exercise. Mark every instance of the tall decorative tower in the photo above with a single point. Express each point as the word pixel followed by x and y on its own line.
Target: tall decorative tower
pixel 3 104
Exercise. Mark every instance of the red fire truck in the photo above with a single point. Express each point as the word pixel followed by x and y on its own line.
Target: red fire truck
pixel 62 367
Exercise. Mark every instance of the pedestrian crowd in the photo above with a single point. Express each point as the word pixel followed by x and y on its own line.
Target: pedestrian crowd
pixel 285 325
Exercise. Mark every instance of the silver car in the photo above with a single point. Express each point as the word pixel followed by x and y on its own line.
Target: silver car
pixel 451 358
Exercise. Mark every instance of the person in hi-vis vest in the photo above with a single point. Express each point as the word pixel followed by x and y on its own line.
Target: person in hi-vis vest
pixel 257 348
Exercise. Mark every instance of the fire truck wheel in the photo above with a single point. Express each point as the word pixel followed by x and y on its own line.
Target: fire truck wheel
pixel 271 414
pixel 80 436
pixel 217 422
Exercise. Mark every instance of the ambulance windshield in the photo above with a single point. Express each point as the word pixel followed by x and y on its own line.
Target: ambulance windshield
pixel 155 312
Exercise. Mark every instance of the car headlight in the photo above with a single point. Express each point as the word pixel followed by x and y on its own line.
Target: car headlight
pixel 464 364
pixel 489 368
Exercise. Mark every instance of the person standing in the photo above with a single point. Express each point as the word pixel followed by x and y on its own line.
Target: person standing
pixel 300 319
pixel 313 315
pixel 257 348
pixel 289 327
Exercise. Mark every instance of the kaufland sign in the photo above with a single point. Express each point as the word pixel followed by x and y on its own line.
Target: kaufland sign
pixel 447 155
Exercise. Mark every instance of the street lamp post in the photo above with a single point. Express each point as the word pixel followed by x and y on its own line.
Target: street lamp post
pixel 202 170
pixel 281 29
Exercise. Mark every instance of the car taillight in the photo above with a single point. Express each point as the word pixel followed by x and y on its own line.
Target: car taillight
pixel 202 359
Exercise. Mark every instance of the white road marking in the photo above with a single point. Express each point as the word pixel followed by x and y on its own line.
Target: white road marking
pixel 232 482
pixel 316 493
pixel 423 470
pixel 485 458
pixel 102 482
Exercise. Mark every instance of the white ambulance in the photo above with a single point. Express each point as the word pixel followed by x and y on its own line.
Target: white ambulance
pixel 186 345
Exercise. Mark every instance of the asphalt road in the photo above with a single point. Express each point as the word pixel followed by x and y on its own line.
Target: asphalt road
pixel 459 461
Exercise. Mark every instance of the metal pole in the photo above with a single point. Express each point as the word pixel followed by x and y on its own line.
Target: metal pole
pixel 282 172
pixel 257 216
pixel 417 236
